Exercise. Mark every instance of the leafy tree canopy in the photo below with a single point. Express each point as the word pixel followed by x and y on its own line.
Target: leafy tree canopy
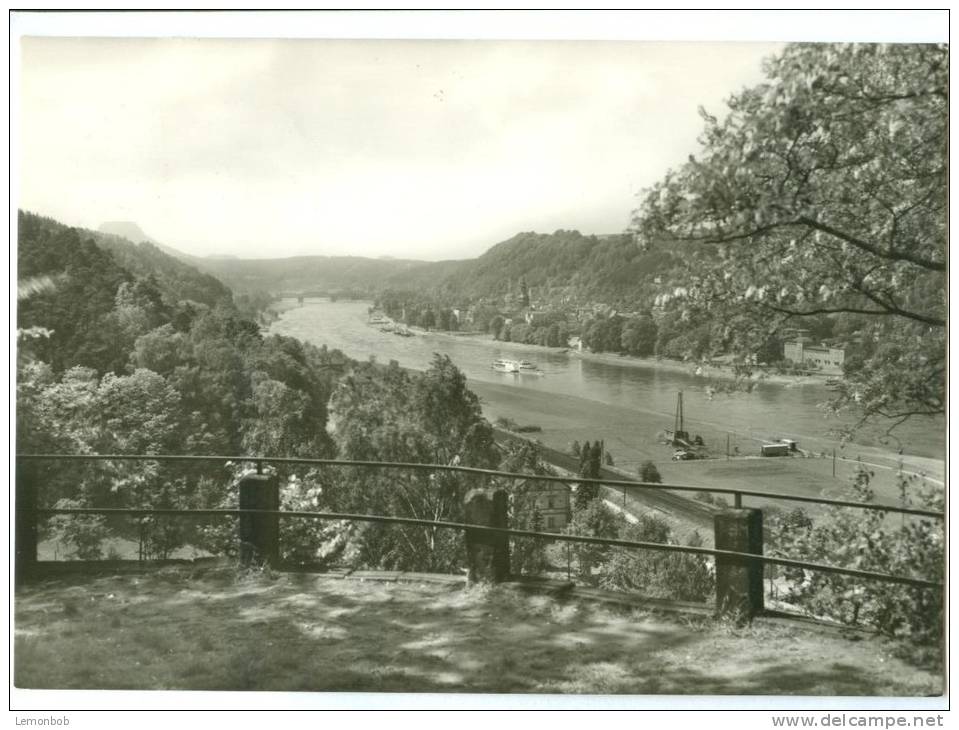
pixel 823 192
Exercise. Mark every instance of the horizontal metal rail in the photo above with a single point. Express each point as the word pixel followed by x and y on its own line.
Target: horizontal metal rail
pixel 620 483
pixel 561 537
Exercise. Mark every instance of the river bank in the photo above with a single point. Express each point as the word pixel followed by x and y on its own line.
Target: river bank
pixel 632 435
pixel 706 371
pixel 598 384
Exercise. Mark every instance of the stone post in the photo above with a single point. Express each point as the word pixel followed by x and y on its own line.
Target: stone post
pixel 487 553
pixel 25 525
pixel 259 533
pixel 739 581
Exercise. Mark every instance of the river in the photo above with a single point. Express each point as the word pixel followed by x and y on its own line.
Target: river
pixel 571 385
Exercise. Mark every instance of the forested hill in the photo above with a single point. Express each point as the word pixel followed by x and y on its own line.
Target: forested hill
pixel 71 280
pixel 122 349
pixel 610 268
pixel 562 265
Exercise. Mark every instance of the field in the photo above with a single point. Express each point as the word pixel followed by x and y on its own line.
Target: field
pixel 215 628
pixel 632 438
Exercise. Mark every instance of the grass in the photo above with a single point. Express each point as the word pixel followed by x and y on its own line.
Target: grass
pixel 217 629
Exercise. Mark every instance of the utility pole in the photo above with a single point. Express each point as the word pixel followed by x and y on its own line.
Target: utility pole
pixel 834 463
pixel 727 447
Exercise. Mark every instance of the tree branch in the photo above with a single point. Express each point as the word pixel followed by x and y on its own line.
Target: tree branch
pixel 865 246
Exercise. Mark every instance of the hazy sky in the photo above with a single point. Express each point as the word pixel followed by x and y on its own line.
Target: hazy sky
pixel 422 149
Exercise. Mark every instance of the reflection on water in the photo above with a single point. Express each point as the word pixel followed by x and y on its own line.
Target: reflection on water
pixel 770 410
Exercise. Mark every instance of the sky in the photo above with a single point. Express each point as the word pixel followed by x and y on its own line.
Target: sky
pixel 419 149
pixel 428 149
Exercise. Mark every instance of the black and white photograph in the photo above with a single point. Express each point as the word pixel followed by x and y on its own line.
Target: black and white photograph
pixel 593 368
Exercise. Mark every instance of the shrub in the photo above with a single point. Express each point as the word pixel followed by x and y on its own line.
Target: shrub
pixel 869 540
pixel 82 535
pixel 593 520
pixel 659 574
pixel 649 473
pixel 532 428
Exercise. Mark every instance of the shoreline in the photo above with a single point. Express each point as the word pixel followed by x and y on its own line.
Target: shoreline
pixel 706 371
pixel 521 404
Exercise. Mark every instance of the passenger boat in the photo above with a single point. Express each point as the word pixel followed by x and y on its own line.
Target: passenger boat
pixel 528 368
pixel 506 366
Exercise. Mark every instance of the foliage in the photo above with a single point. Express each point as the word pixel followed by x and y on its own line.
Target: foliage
pixel 135 370
pixel 593 520
pixel 823 192
pixel 389 414
pixel 649 473
pixel 639 336
pixel 655 573
pixel 528 556
pixel 590 465
pixel 81 536
pixel 871 540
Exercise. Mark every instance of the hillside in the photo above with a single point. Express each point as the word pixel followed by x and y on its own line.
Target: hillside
pixel 565 265
pixel 560 266
pixel 81 272
pixel 557 266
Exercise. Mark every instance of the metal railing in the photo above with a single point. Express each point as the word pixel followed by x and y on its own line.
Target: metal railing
pixel 750 558
pixel 619 483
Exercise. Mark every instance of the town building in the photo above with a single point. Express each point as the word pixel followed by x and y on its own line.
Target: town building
pixel 552 500
pixel 825 359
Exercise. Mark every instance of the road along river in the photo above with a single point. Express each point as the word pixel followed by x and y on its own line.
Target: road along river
pixel 628 406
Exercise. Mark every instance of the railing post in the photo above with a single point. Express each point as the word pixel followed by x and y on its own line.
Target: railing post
pixel 487 553
pixel 259 533
pixel 739 581
pixel 26 521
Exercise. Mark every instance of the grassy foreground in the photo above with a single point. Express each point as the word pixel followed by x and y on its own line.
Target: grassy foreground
pixel 215 629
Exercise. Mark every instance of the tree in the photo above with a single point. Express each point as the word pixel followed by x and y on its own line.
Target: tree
pixel 649 473
pixel 382 413
pixel 658 573
pixel 527 555
pixel 496 326
pixel 591 462
pixel 595 520
pixel 428 320
pixel 639 336
pixel 443 321
pixel 870 540
pixel 823 192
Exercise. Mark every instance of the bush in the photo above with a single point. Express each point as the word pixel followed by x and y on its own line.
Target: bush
pixel 659 574
pixel 82 535
pixel 593 520
pixel 649 473
pixel 869 540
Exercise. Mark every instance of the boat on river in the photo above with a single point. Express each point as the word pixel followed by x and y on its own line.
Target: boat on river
pixel 528 368
pixel 506 366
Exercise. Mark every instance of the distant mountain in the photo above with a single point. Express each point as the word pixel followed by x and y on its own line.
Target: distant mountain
pixel 305 273
pixel 564 265
pixel 130 231
pixel 126 229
